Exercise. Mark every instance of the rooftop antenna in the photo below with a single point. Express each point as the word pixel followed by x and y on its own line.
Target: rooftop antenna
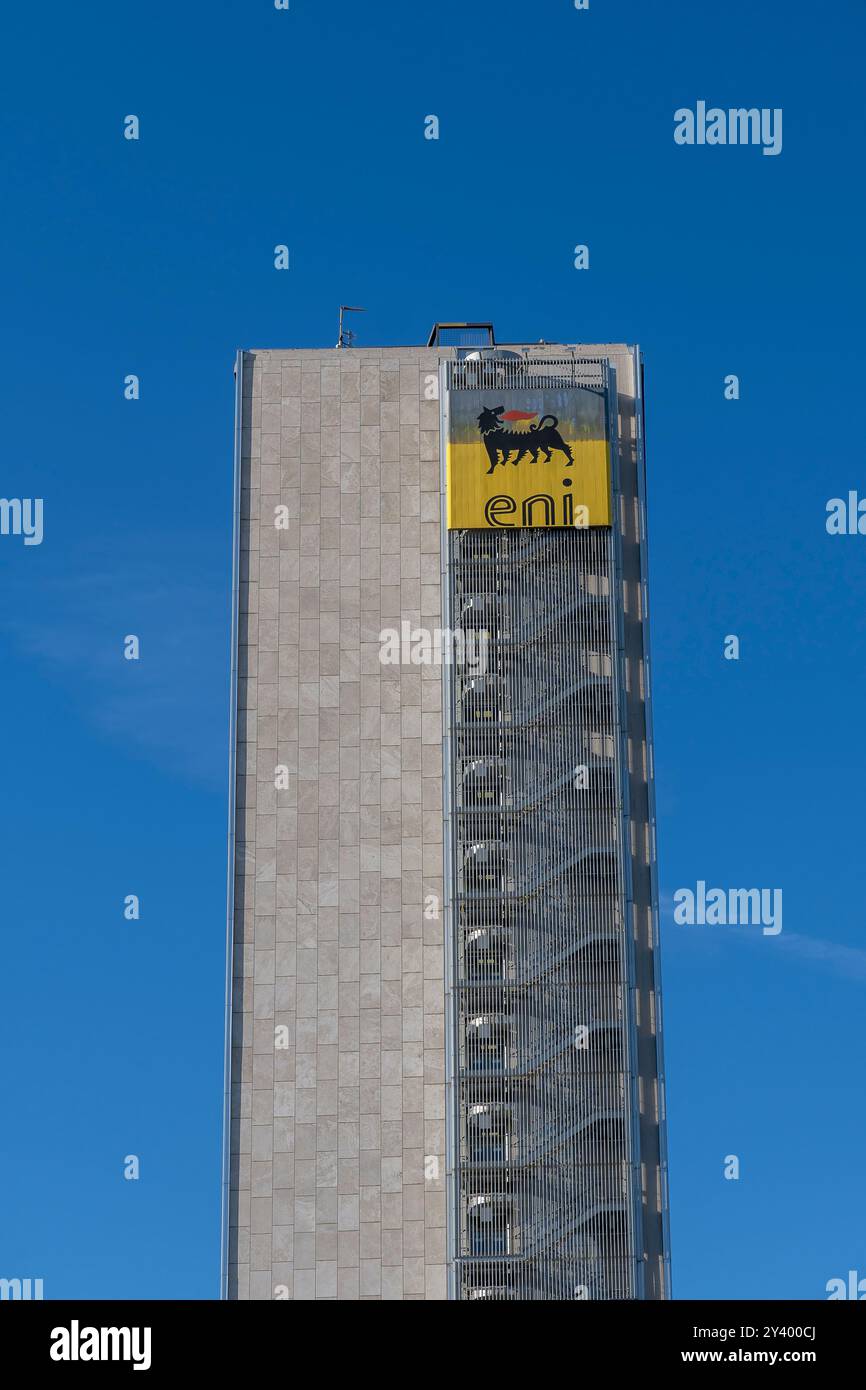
pixel 347 337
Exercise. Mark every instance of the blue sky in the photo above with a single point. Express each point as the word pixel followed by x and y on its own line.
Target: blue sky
pixel 155 257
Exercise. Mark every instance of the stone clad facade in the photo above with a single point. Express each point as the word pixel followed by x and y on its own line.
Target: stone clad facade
pixel 337 1140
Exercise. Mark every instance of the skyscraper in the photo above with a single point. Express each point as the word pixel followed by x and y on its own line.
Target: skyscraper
pixel 444 1055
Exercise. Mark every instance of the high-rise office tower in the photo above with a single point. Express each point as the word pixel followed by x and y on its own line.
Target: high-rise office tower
pixel 444 1057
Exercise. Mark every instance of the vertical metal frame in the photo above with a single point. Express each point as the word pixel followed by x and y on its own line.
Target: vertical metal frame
pixel 231 834
pixel 449 932
pixel 630 1013
pixel 640 439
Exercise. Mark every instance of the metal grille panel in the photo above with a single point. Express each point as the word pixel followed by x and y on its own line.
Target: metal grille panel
pixel 541 1156
pixel 493 370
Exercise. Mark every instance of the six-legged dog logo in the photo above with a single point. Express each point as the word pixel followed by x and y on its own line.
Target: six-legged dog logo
pixel 540 438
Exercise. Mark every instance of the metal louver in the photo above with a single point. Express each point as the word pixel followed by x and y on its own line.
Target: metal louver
pixel 541 1162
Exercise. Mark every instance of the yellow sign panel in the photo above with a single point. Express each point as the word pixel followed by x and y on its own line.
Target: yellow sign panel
pixel 528 458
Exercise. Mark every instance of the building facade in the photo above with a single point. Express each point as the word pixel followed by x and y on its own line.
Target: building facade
pixel 443 1046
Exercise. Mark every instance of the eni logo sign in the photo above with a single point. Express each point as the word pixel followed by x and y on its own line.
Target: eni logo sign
pixel 544 436
pixel 528 458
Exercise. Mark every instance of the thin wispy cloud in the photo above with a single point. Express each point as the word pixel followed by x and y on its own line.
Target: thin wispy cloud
pixel 847 961
pixel 171 706
pixel 844 962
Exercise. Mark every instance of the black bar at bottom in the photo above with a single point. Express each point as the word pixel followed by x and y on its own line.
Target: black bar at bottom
pixel 256 1339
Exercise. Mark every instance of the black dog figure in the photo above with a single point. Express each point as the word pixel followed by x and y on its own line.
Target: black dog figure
pixel 543 437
